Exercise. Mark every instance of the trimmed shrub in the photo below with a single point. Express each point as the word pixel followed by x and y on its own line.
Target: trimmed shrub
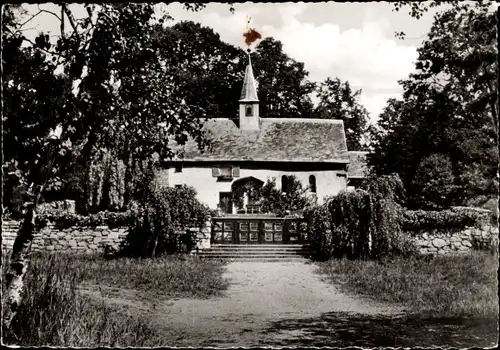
pixel 66 220
pixel 158 224
pixel 360 224
pixel 373 223
pixel 413 220
pixel 318 226
pixel 387 187
pixel 350 224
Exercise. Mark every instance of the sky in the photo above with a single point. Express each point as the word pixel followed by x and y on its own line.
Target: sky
pixel 351 41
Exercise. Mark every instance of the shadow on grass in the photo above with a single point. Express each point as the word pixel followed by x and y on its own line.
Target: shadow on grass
pixel 343 330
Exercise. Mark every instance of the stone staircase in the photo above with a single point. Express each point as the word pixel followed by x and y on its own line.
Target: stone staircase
pixel 257 252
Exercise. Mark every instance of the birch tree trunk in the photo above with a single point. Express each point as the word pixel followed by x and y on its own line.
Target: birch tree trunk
pixel 19 265
pixel 21 251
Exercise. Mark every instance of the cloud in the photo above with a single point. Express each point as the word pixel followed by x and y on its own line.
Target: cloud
pixel 364 56
pixel 367 56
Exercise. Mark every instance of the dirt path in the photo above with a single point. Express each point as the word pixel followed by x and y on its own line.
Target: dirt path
pixel 260 294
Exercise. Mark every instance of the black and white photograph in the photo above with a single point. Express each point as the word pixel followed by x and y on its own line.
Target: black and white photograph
pixel 250 175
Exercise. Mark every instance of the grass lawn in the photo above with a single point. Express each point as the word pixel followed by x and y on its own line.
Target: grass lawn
pixel 54 313
pixel 453 286
pixel 171 276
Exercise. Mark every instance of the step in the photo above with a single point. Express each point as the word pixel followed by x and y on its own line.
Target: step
pixel 269 249
pixel 268 259
pixel 250 246
pixel 253 252
pixel 231 250
pixel 217 254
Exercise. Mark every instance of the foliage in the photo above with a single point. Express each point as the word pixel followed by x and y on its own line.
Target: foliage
pixel 454 286
pixel 373 223
pixel 341 226
pixel 13 190
pixel 449 107
pixel 281 203
pixel 211 71
pixel 319 231
pixel 389 187
pixel 66 220
pixel 283 88
pixel 433 185
pixel 412 220
pixel 111 183
pixel 113 93
pixel 360 224
pixel 338 101
pixel 85 321
pixel 417 9
pixel 159 222
pixel 54 313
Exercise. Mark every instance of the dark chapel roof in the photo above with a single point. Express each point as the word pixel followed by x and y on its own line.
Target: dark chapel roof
pixel 277 140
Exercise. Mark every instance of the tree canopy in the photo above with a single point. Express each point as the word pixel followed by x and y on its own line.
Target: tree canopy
pixel 446 124
pixel 113 94
pixel 284 89
pixel 338 101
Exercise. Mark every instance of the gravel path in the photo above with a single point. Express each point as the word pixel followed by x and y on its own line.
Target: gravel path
pixel 288 304
pixel 260 293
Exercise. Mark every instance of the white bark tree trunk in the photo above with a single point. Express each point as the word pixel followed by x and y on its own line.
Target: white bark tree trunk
pixel 19 265
pixel 21 251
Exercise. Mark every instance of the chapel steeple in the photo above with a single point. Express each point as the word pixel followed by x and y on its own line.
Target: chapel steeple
pixel 249 102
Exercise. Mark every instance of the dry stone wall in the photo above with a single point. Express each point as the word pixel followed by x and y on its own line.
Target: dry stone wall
pixel 455 242
pixel 75 238
pixel 83 239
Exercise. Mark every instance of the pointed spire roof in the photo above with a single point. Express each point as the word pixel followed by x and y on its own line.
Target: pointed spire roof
pixel 249 89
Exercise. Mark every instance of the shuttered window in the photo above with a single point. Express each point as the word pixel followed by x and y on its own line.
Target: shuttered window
pixel 236 171
pixel 215 172
pixel 226 172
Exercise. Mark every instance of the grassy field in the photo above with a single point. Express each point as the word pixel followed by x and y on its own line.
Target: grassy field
pixel 54 313
pixel 454 286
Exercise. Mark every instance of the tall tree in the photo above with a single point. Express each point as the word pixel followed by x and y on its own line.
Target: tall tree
pixel 211 70
pixel 449 107
pixel 283 88
pixel 114 93
pixel 460 55
pixel 338 101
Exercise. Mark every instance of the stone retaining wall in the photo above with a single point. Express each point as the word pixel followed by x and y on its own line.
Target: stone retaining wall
pixel 83 239
pixel 453 242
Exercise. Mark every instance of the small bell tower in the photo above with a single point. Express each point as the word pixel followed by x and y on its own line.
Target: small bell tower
pixel 249 102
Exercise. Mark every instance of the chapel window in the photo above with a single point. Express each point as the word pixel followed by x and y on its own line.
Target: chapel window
pixel 312 183
pixel 285 184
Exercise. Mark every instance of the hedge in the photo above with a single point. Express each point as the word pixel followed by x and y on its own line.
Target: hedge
pixel 65 220
pixel 352 222
pixel 413 220
pixel 342 226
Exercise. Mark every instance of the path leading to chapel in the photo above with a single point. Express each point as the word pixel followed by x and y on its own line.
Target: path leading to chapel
pixel 261 295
